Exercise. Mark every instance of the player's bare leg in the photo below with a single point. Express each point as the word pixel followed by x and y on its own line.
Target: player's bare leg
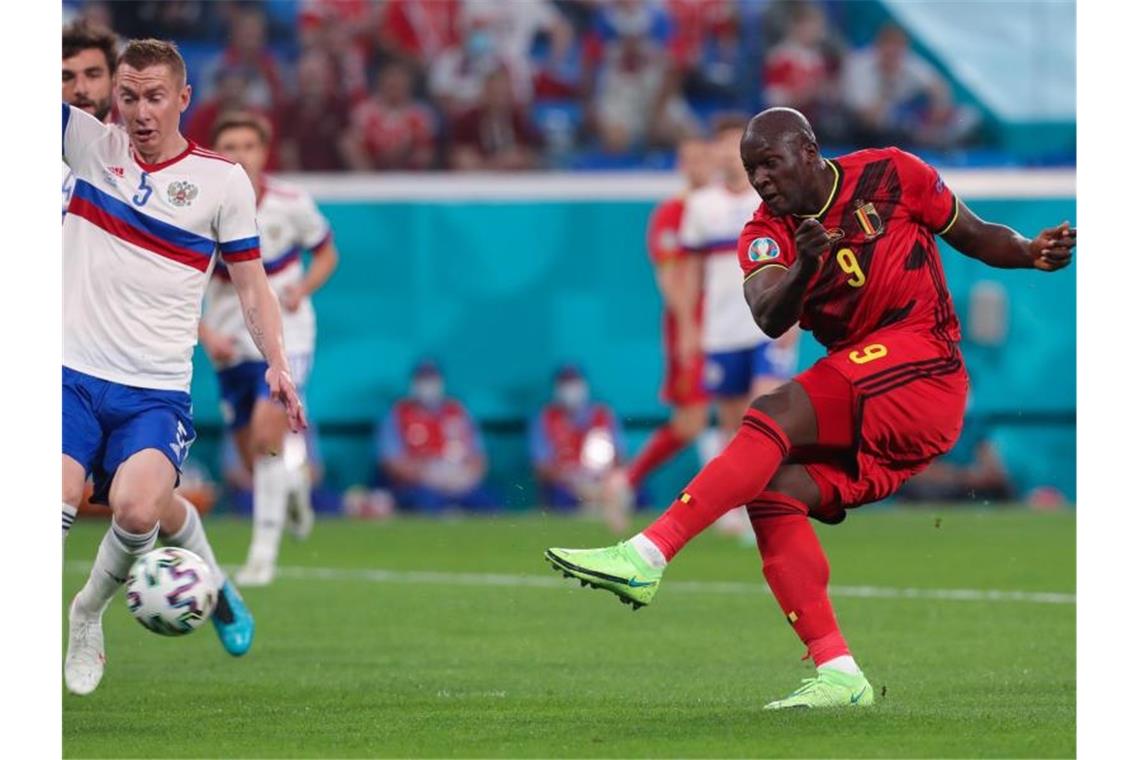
pixel 686 423
pixel 142 484
pixel 74 477
pixel 261 444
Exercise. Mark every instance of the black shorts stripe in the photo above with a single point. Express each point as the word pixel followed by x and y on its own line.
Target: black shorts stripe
pixel 948 368
pixel 896 370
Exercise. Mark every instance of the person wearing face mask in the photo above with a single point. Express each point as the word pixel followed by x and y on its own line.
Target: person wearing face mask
pixel 575 444
pixel 431 451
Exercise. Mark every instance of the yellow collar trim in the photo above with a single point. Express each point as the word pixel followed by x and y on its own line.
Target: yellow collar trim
pixel 830 197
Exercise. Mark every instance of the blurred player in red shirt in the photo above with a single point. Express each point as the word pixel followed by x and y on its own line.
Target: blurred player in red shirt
pixel 845 247
pixel 678 276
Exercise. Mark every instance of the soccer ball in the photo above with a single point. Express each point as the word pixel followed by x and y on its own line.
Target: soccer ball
pixel 170 591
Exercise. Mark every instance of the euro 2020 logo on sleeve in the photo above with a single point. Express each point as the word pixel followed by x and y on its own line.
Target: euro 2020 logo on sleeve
pixel 763 249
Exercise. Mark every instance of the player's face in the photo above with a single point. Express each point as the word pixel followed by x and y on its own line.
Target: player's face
pixel 728 153
pixel 244 145
pixel 695 163
pixel 777 170
pixel 151 102
pixel 87 82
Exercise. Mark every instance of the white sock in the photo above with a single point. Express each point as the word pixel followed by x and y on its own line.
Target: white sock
pixel 844 664
pixel 709 443
pixel 270 491
pixel 649 551
pixel 296 460
pixel 69 513
pixel 192 537
pixel 117 553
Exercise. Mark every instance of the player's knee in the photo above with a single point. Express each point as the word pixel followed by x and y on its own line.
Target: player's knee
pixel 73 492
pixel 790 407
pixel 135 513
pixel 688 425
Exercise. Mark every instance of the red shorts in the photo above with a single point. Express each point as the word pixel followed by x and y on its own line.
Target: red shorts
pixel 884 408
pixel 684 385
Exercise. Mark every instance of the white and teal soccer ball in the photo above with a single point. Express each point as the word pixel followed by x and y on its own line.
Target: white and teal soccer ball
pixel 171 591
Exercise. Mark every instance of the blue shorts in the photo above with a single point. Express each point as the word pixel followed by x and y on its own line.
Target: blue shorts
pixel 730 373
pixel 105 423
pixel 241 385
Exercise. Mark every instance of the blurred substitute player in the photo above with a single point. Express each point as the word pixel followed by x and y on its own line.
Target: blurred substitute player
pixel 89 56
pixel 289 223
pixel 89 59
pixel 741 362
pixel 846 248
pixel 149 213
pixel 678 278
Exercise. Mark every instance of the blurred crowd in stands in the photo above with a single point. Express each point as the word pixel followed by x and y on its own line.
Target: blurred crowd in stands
pixel 410 85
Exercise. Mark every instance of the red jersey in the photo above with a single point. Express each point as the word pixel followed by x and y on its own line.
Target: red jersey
pixel 432 433
pixel 883 269
pixel 664 244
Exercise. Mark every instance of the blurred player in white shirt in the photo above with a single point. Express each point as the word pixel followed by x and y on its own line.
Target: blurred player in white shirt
pixel 289 223
pixel 149 215
pixel 741 362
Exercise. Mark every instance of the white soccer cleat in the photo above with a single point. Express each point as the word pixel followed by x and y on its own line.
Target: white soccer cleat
pixel 299 514
pixel 255 573
pixel 83 668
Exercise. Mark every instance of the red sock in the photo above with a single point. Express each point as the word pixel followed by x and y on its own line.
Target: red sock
pixel 737 476
pixel 660 447
pixel 797 572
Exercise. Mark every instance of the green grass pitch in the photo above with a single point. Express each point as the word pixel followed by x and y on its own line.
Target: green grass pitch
pixel 453 638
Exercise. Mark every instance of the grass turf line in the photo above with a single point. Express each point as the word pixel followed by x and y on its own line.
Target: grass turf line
pixel 355 668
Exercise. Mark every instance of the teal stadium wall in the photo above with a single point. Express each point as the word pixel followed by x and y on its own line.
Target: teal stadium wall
pixel 501 291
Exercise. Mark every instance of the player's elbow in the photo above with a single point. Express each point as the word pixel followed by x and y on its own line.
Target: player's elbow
pixel 769 323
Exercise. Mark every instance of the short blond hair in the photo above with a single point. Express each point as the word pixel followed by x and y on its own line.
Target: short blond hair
pixel 140 54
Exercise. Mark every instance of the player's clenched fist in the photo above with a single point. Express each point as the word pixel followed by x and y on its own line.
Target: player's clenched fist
pixel 1052 249
pixel 811 241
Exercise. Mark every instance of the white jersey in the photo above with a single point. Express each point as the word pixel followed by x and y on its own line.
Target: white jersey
pixel 68 187
pixel 289 223
pixel 710 227
pixel 139 242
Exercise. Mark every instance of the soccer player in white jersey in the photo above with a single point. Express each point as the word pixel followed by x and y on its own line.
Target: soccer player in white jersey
pixel 89 54
pixel 741 362
pixel 149 214
pixel 290 223
pixel 89 59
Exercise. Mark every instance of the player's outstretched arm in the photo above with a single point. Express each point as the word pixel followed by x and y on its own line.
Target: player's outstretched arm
pixel 999 246
pixel 775 294
pixel 263 320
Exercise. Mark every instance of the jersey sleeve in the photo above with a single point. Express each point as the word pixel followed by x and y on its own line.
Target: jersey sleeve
pixel 927 199
pixel 662 237
pixel 313 229
pixel 691 233
pixel 764 244
pixel 236 224
pixel 80 130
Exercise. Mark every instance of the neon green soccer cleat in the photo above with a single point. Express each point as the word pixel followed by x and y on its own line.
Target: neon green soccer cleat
pixel 618 568
pixel 831 688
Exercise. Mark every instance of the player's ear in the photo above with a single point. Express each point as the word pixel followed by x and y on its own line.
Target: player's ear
pixel 184 99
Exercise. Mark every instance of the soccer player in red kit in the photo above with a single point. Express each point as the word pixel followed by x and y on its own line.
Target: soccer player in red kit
pixel 845 247
pixel 678 275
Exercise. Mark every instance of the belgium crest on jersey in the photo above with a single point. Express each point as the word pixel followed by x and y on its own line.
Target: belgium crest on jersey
pixel 181 193
pixel 868 219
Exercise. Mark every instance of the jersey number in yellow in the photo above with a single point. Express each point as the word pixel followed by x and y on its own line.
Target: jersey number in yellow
pixel 845 257
pixel 869 353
